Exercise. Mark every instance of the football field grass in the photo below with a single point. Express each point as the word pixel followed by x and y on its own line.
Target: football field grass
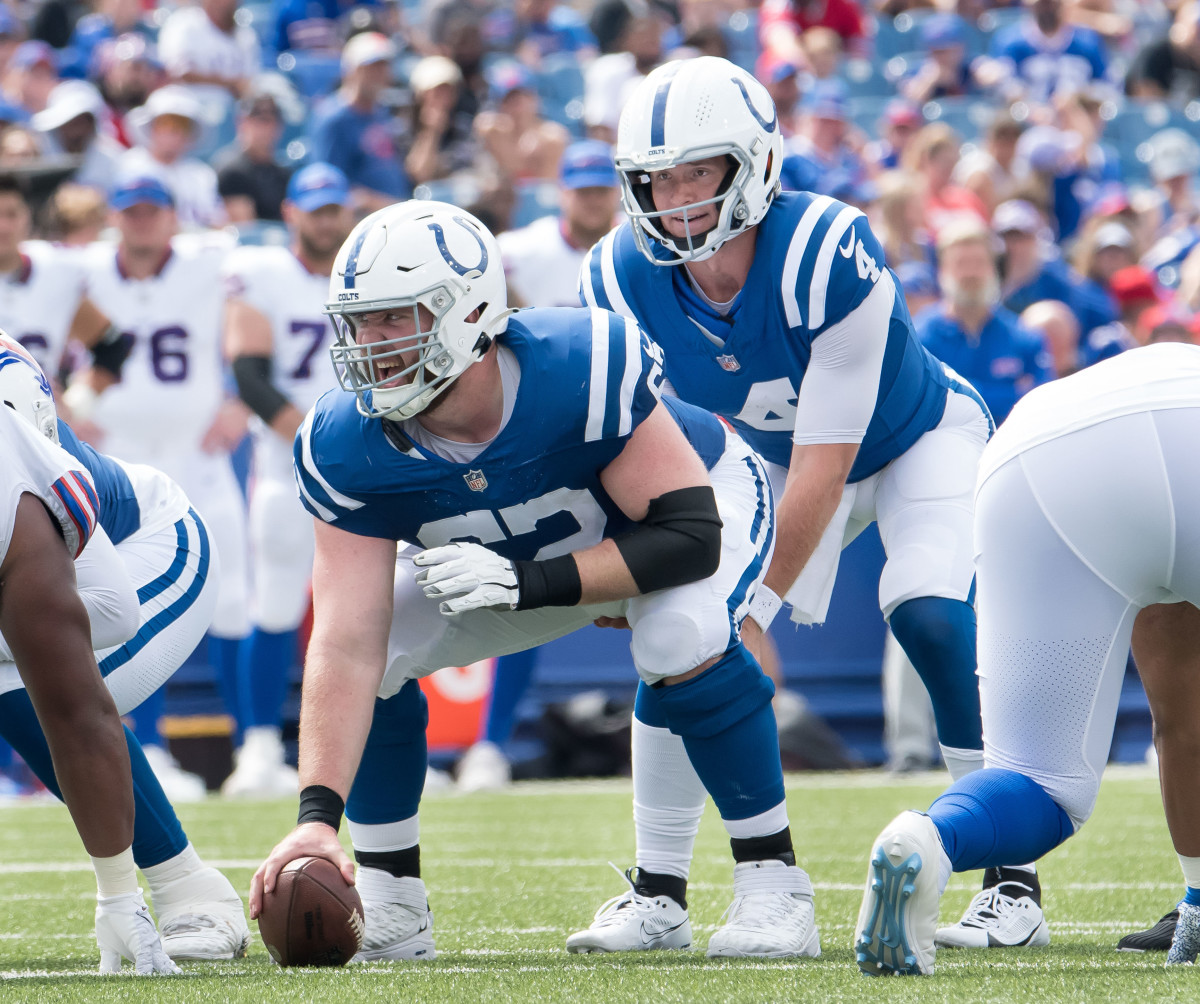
pixel 511 875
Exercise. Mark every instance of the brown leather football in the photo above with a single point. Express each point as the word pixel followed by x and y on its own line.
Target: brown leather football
pixel 312 917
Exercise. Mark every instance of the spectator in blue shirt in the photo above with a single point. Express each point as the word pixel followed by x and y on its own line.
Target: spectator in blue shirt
pixel 969 329
pixel 312 25
pixel 1042 55
pixel 355 133
pixel 110 19
pixel 534 29
pixel 946 71
pixel 820 153
pixel 1034 271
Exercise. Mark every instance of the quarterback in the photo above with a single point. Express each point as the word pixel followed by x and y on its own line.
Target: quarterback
pixel 778 313
pixel 540 484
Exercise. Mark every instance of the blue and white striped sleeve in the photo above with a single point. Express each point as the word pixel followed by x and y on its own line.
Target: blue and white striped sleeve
pixel 598 282
pixel 624 377
pixel 833 263
pixel 318 496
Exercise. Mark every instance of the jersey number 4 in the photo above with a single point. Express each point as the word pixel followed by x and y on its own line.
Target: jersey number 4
pixel 488 526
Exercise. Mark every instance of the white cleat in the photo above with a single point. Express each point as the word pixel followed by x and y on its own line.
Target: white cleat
pixel 201 916
pixel 898 918
pixel 261 771
pixel 1005 914
pixel 632 922
pixel 771 915
pixel 177 784
pixel 1186 942
pixel 399 927
pixel 484 768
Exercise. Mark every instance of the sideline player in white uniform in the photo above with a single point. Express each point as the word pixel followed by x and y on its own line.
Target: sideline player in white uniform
pixel 1087 538
pixel 542 260
pixel 778 312
pixel 164 548
pixel 43 302
pixel 541 266
pixel 538 511
pixel 48 512
pixel 277 338
pixel 169 410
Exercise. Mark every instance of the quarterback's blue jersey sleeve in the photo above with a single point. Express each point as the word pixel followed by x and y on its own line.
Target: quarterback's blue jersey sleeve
pixel 833 263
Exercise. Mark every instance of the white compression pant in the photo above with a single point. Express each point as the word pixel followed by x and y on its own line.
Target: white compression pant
pixel 922 501
pixel 1074 537
pixel 281 538
pixel 174 573
pixel 674 630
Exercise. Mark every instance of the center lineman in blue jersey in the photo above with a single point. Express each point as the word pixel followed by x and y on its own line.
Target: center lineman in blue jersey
pixel 538 484
pixel 778 313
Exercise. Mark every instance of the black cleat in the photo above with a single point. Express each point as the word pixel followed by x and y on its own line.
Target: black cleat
pixel 1156 939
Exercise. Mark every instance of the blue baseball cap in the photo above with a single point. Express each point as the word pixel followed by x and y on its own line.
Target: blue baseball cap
pixel 318 185
pixel 34 52
pixel 942 31
pixel 141 190
pixel 509 76
pixel 588 164
pixel 827 100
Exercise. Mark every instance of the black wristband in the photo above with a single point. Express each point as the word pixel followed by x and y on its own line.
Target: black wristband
pixel 550 583
pixel 319 804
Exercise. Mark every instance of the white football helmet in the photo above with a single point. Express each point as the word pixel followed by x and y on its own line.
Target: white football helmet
pixel 412 254
pixel 688 110
pixel 25 389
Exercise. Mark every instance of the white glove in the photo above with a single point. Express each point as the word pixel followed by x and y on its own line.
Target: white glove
pixel 124 930
pixel 470 574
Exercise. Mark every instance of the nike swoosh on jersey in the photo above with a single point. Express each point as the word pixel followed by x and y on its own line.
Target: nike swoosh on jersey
pixel 848 250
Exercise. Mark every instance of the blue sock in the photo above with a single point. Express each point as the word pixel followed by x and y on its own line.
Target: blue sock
pixel 391 774
pixel 1192 896
pixel 997 817
pixel 145 718
pixel 157 833
pixel 513 673
pixel 263 672
pixel 725 719
pixel 223 656
pixel 938 635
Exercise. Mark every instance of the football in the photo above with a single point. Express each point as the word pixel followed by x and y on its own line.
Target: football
pixel 312 917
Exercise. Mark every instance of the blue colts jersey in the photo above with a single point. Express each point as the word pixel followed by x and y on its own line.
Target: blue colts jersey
pixel 588 379
pixel 815 260
pixel 120 514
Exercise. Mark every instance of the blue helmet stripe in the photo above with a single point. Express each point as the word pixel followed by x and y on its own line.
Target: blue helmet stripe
pixel 352 257
pixel 658 114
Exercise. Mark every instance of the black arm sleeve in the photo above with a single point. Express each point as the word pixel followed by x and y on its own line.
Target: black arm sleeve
pixel 678 542
pixel 253 376
pixel 111 351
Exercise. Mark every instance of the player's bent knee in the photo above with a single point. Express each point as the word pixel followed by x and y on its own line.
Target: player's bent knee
pixel 1075 795
pixel 672 642
pixel 720 697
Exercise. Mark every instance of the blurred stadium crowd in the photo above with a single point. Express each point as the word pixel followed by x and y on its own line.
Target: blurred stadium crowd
pixel 1029 167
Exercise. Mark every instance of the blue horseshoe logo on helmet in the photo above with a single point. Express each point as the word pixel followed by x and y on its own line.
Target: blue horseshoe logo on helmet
pixel 453 262
pixel 769 126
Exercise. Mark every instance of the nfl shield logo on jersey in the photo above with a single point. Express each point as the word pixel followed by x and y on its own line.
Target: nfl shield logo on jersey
pixel 475 480
pixel 729 364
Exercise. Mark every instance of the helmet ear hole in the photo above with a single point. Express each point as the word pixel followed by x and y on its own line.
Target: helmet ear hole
pixel 767 169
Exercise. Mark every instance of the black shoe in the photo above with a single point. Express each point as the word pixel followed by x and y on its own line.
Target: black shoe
pixel 1157 939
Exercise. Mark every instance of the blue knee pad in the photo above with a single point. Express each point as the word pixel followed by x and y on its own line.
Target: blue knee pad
pixel 725 719
pixel 938 635
pixel 391 774
pixel 157 833
pixel 993 817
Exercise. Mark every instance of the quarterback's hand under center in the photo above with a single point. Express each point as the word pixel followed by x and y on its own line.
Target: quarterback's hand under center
pixel 467 576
